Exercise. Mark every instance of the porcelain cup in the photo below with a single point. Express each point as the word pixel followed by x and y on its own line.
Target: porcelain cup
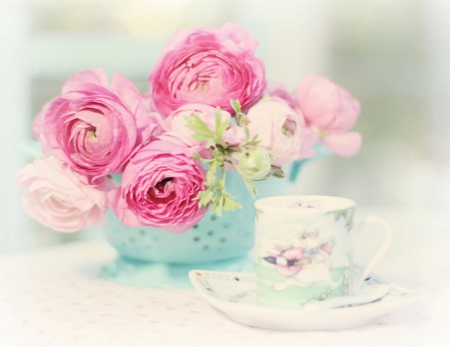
pixel 305 249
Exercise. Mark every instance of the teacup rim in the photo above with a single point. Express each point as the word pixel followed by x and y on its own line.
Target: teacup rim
pixel 261 205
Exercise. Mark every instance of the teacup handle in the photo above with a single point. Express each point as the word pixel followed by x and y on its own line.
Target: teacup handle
pixel 381 251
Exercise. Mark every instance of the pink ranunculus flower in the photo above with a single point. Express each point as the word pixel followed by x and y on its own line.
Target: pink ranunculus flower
pixel 210 66
pixel 158 188
pixel 279 129
pixel 93 126
pixel 331 112
pixel 276 90
pixel 60 198
pixel 175 128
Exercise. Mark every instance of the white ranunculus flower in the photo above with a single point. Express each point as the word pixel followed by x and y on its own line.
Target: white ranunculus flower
pixel 278 127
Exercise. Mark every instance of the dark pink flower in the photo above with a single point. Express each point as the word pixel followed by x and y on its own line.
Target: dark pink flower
pixel 208 66
pixel 159 185
pixel 94 127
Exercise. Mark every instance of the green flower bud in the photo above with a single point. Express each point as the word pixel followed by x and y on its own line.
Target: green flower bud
pixel 255 164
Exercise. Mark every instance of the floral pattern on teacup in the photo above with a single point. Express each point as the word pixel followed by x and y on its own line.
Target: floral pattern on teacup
pixel 347 215
pixel 303 260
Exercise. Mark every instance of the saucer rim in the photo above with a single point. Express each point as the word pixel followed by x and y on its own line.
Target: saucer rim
pixel 304 311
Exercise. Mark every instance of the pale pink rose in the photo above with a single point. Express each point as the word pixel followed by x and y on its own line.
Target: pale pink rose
pixel 279 129
pixel 94 127
pixel 276 90
pixel 209 66
pixel 176 131
pixel 331 112
pixel 158 188
pixel 60 198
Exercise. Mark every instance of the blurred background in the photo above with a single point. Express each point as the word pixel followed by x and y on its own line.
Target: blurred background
pixel 394 56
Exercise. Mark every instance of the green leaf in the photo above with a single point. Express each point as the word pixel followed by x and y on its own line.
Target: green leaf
pixel 221 128
pixel 205 198
pixel 199 127
pixel 247 134
pixel 230 204
pixel 236 105
pixel 253 141
pixel 251 188
pixel 218 117
pixel 219 205
pixel 277 172
pixel 211 174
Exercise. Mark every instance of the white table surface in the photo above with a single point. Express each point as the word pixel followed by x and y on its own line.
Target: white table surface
pixel 54 297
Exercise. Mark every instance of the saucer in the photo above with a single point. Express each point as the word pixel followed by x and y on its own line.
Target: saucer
pixel 234 293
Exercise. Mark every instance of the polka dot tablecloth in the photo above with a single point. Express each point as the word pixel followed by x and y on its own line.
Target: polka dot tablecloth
pixel 54 297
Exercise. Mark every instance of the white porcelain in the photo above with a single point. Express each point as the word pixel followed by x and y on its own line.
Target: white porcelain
pixel 304 247
pixel 234 293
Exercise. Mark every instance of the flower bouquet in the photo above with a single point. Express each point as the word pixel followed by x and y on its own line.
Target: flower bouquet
pixel 210 123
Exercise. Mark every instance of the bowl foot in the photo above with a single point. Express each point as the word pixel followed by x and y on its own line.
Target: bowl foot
pixel 163 275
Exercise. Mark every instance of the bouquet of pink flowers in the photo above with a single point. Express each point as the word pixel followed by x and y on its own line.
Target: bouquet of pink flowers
pixel 209 110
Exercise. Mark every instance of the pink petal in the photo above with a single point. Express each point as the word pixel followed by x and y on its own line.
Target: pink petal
pixel 346 144
pixel 129 94
pixel 243 37
pixel 96 76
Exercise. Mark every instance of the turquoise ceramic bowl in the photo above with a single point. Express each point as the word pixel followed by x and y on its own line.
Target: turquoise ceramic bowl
pixel 153 257
pixel 212 239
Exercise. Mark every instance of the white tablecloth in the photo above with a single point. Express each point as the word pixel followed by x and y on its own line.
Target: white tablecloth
pixel 54 297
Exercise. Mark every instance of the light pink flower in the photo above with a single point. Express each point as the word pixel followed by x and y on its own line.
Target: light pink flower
pixel 95 127
pixel 331 112
pixel 276 90
pixel 209 66
pixel 60 198
pixel 176 131
pixel 158 188
pixel 279 129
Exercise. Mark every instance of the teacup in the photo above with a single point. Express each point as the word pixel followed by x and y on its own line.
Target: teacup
pixel 305 247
